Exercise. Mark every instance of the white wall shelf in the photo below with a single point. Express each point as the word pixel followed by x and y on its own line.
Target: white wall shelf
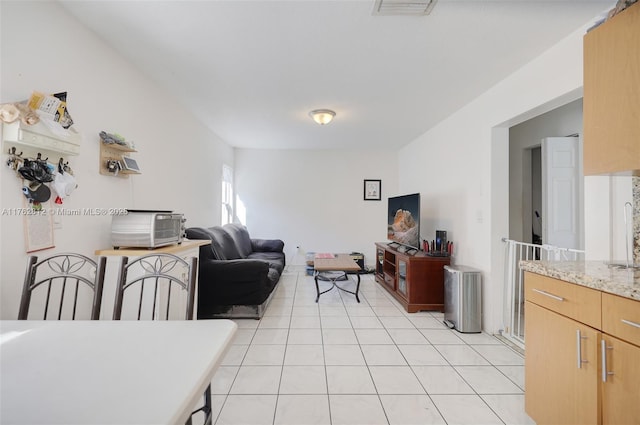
pixel 50 141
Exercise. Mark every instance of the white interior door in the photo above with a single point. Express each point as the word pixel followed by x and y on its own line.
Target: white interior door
pixel 560 192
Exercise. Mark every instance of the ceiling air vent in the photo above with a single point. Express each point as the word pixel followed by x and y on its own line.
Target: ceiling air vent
pixel 403 7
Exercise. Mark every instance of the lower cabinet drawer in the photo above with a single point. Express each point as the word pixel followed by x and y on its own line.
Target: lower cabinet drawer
pixel 621 318
pixel 571 300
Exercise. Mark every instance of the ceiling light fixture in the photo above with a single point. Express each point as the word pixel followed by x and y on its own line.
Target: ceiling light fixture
pixel 322 116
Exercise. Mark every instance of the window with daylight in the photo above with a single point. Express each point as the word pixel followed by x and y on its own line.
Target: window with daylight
pixel 227 195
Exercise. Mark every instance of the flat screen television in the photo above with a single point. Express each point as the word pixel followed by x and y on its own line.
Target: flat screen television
pixel 403 220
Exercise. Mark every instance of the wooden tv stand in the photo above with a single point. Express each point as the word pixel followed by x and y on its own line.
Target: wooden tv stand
pixel 413 278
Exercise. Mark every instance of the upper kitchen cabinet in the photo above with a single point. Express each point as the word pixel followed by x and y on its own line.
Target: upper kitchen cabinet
pixel 612 96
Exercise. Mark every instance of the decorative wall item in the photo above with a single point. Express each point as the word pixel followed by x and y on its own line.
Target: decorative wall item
pixel 38 228
pixel 372 190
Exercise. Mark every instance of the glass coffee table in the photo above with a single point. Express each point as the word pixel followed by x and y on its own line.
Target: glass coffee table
pixel 334 267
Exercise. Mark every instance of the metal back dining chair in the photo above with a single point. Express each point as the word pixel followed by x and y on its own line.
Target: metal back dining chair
pixel 153 280
pixel 60 283
pixel 156 285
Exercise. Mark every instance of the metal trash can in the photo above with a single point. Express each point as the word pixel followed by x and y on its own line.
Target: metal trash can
pixel 463 299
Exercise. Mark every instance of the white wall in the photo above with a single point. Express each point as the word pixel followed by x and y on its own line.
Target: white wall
pixel 314 198
pixel 461 165
pixel 180 159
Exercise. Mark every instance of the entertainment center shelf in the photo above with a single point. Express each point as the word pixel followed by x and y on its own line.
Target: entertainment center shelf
pixel 415 279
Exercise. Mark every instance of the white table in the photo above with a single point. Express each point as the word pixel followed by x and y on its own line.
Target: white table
pixel 107 372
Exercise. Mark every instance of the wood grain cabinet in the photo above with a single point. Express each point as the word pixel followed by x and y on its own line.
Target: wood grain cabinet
pixel 582 356
pixel 415 280
pixel 621 382
pixel 561 354
pixel 557 389
pixel 611 101
pixel 620 360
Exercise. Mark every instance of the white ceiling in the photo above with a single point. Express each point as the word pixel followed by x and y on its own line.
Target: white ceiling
pixel 252 70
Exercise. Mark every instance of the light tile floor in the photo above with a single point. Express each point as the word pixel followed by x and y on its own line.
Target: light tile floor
pixel 340 362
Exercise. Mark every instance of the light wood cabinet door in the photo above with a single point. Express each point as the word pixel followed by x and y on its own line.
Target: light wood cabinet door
pixel 621 384
pixel 611 102
pixel 561 369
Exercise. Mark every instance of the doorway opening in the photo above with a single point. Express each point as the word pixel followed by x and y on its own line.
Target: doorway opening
pixel 536 196
pixel 527 177
pixel 545 201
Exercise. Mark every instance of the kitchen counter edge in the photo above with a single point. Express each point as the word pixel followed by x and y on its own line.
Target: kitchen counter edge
pixel 592 274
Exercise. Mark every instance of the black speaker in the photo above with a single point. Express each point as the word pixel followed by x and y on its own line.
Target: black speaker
pixel 441 240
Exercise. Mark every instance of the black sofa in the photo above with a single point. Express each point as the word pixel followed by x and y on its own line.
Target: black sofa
pixel 237 274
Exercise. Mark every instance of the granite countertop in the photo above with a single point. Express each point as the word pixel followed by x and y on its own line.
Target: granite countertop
pixel 592 274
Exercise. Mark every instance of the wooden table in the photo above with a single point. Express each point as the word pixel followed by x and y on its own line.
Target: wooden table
pixel 339 263
pixel 107 372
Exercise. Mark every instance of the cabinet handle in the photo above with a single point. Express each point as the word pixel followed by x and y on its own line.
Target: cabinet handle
pixel 555 297
pixel 603 350
pixel 630 323
pixel 579 339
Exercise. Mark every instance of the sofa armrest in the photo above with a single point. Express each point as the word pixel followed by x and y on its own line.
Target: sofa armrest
pixel 267 245
pixel 236 271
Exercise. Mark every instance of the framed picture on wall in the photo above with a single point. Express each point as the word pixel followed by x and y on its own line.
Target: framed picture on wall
pixel 372 189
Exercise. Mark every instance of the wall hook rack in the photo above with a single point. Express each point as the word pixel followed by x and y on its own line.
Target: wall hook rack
pixel 15 159
pixel 63 166
pixel 12 152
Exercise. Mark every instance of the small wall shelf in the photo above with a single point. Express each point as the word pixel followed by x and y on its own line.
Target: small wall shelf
pixel 115 152
pixel 38 138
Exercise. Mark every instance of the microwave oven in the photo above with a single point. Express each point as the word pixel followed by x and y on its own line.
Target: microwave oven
pixel 147 229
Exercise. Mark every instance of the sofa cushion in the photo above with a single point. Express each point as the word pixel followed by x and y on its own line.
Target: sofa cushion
pixel 232 282
pixel 223 245
pixel 194 233
pixel 274 259
pixel 241 238
pixel 267 245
